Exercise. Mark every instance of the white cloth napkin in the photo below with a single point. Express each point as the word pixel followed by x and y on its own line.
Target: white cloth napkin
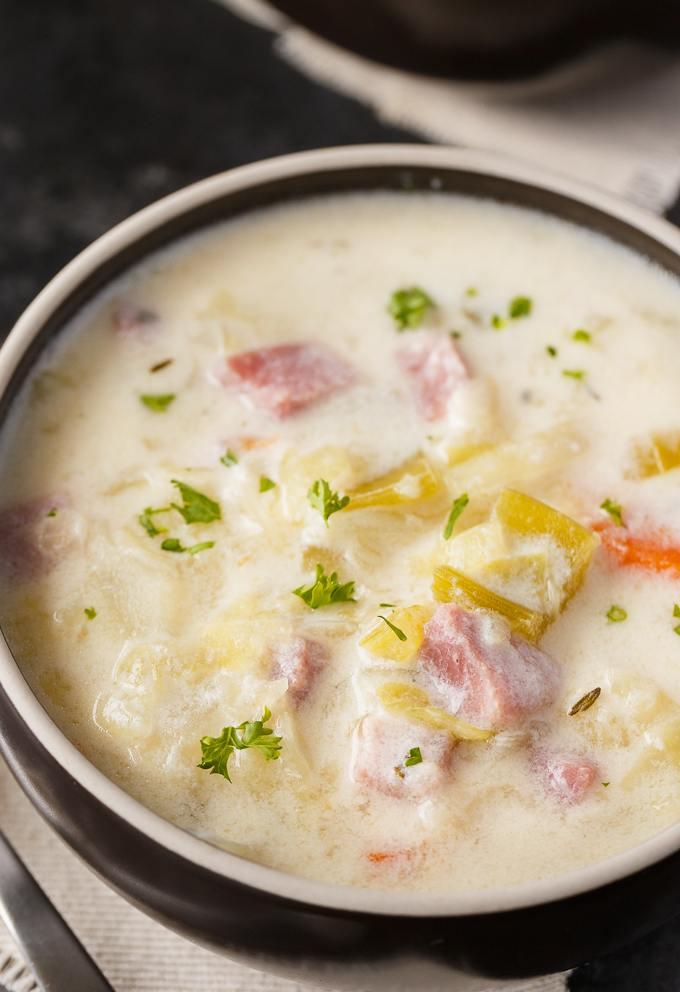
pixel 612 119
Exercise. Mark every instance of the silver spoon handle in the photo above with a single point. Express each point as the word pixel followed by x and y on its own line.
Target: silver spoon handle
pixel 56 957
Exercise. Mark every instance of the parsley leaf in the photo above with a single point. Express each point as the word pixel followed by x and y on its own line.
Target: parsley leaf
pixel 325 590
pixel 158 403
pixel 408 307
pixel 90 612
pixel 614 511
pixel 173 544
pixel 676 610
pixel 605 784
pixel 197 508
pixel 326 502
pixel 400 633
pixel 574 373
pixel 551 351
pixel 217 751
pixel 458 507
pixel 414 757
pixel 266 484
pixel 582 335
pixel 229 458
pixel 383 605
pixel 498 322
pixel 585 702
pixel 53 512
pixel 456 335
pixel 471 291
pixel 520 307
pixel 147 523
pixel 617 614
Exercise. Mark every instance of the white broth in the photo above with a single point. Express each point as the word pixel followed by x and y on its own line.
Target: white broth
pixel 469 412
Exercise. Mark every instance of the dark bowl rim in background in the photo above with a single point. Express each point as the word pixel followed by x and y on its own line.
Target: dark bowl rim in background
pixel 406 167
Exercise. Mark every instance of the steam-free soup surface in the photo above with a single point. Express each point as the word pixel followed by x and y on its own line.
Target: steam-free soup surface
pixel 452 427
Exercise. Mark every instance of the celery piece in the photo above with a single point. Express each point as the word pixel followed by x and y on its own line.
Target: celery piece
pixel 382 642
pixel 524 517
pixel 451 586
pixel 656 455
pixel 411 703
pixel 476 546
pixel 521 578
pixel 413 481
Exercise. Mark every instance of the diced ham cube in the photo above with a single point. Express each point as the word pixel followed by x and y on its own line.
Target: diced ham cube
pixel 432 363
pixel 132 321
pixel 567 777
pixel 483 672
pixel 300 661
pixel 32 540
pixel 381 746
pixel 287 377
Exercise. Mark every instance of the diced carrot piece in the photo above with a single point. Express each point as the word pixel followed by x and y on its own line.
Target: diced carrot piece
pixel 654 551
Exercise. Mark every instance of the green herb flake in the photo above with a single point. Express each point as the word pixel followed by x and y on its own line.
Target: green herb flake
pixel 325 590
pixel 400 633
pixel 551 351
pixel 458 507
pixel 520 307
pixel 386 606
pixel 172 544
pixel 471 291
pixel 677 630
pixel 614 511
pixel 326 502
pixel 266 484
pixel 574 373
pixel 229 458
pixel 676 610
pixel 617 614
pixel 161 365
pixel 605 784
pixel 456 335
pixel 408 307
pixel 217 751
pixel 147 523
pixel 197 508
pixel 158 403
pixel 414 757
pixel 581 335
pixel 53 512
pixel 497 322
pixel 90 612
pixel 585 702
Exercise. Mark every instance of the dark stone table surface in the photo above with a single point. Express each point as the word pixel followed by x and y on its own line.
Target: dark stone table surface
pixel 106 105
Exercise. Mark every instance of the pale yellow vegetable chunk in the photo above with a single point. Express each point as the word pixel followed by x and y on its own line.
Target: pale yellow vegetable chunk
pixel 450 586
pixel 656 455
pixel 237 644
pixel 411 703
pixel 406 484
pixel 523 517
pixel 476 546
pixel 521 578
pixel 384 643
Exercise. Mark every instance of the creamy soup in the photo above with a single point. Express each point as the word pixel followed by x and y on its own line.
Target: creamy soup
pixel 346 535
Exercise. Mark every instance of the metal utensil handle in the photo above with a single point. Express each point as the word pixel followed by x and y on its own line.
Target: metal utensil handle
pixel 56 957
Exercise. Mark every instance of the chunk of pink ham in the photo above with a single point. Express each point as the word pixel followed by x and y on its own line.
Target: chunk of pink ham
pixel 567 777
pixel 490 677
pixel 32 541
pixel 435 370
pixel 381 746
pixel 287 377
pixel 132 321
pixel 301 662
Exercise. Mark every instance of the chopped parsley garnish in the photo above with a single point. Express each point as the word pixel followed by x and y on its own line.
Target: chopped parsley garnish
pixel 53 512
pixel 325 590
pixel 574 373
pixel 471 291
pixel 614 511
pixel 458 507
pixel 266 484
pixel 147 523
pixel 551 351
pixel 229 458
pixel 90 612
pixel 605 784
pixel 173 544
pixel 520 307
pixel 585 702
pixel 582 335
pixel 197 508
pixel 326 502
pixel 384 606
pixel 218 750
pixel 676 613
pixel 617 614
pixel 408 307
pixel 400 633
pixel 497 322
pixel 414 757
pixel 158 403
pixel 161 365
pixel 456 334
